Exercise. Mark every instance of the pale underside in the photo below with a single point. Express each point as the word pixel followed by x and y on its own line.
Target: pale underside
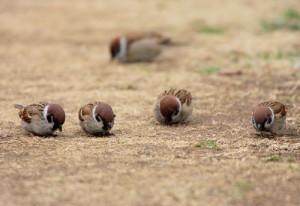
pixel 38 126
pixel 143 50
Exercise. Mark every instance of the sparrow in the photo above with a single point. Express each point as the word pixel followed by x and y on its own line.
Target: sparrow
pixel 41 119
pixel 269 116
pixel 173 106
pixel 139 47
pixel 96 118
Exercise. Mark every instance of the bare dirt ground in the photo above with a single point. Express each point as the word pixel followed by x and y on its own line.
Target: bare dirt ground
pixel 57 51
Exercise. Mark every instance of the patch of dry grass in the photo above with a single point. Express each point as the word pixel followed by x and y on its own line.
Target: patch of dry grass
pixel 57 51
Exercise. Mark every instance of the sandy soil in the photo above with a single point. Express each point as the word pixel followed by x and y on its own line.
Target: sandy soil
pixel 57 51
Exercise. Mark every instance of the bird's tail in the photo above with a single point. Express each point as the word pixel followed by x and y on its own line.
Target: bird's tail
pixel 18 106
pixel 196 97
pixel 290 106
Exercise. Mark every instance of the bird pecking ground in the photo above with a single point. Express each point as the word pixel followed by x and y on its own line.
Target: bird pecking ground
pixel 57 51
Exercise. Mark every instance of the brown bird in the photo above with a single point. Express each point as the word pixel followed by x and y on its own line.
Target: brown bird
pixel 269 116
pixel 41 119
pixel 138 47
pixel 96 118
pixel 173 106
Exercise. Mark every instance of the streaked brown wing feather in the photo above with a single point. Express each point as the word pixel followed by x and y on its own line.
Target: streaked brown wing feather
pixel 166 92
pixel 86 110
pixel 183 95
pixel 170 92
pixel 159 38
pixel 277 107
pixel 28 112
pixel 24 115
pixel 131 37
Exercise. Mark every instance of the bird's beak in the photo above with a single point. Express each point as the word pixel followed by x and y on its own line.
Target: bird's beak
pixel 112 58
pixel 60 128
pixel 168 120
pixel 107 126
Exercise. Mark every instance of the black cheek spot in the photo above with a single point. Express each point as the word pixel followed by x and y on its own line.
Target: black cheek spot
pixel 49 118
pixel 114 52
pixel 98 118
pixel 269 120
pixel 176 112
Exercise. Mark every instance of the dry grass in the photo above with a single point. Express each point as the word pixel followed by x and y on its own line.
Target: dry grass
pixel 57 51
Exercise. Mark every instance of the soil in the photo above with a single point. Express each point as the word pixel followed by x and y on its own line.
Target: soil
pixel 57 51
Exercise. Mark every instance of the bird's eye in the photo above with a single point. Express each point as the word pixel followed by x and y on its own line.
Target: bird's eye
pixel 49 118
pixel 98 118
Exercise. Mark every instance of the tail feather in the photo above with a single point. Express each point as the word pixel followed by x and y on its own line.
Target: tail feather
pixel 196 98
pixel 290 106
pixel 18 106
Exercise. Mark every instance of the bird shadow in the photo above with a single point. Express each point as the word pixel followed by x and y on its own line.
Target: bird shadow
pixel 47 136
pixel 290 132
pixel 100 135
pixel 82 134
pixel 263 135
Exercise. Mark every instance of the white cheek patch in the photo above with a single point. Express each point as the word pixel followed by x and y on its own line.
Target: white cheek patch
pixel 162 116
pixel 268 125
pixel 123 47
pixel 81 115
pixel 158 105
pixel 94 116
pixel 179 105
pixel 179 110
pixel 45 112
pixel 253 122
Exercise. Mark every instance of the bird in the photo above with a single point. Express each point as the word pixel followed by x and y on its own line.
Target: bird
pixel 269 116
pixel 137 47
pixel 173 106
pixel 96 118
pixel 41 119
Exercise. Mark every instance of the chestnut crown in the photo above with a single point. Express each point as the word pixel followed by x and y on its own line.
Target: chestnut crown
pixel 168 105
pixel 263 117
pixel 57 113
pixel 105 112
pixel 262 114
pixel 115 47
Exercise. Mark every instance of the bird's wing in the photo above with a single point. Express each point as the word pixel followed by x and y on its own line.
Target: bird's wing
pixel 86 110
pixel 278 108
